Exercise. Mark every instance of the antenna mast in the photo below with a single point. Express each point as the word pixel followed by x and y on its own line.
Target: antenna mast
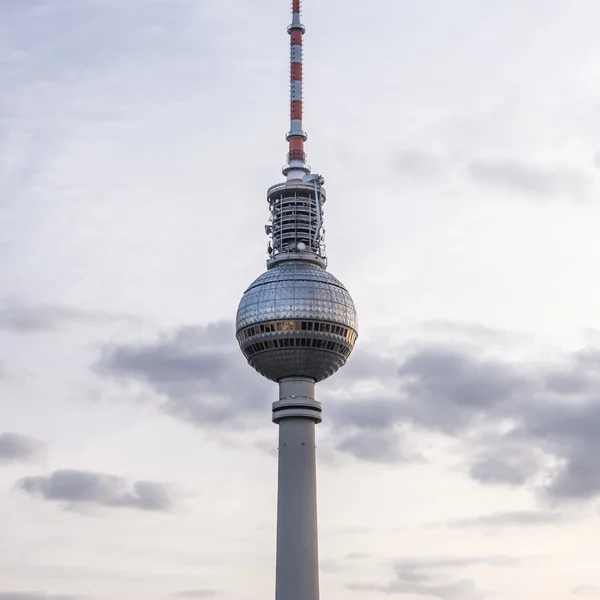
pixel 296 164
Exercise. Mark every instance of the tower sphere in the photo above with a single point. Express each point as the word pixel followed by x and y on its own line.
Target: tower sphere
pixel 296 320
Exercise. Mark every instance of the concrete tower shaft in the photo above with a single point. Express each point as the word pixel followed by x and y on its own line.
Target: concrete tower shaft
pixel 297 564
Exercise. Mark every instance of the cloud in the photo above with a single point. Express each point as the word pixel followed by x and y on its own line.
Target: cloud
pixel 427 577
pixel 196 594
pixel 550 432
pixel 381 447
pixel 513 467
pixel 199 371
pixel 520 423
pixel 19 317
pixel 203 379
pixel 450 389
pixel 519 176
pixel 367 364
pixel 436 388
pixel 86 488
pixel 18 448
pixel 522 518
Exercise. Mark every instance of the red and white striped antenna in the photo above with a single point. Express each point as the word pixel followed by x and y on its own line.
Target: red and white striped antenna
pixel 296 166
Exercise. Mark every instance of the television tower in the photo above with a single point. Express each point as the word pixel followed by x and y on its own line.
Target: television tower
pixel 296 325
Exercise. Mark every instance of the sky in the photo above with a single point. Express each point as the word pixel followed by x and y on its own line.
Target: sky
pixel 458 456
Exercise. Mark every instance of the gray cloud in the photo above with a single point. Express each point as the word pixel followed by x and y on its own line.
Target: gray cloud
pixel 514 175
pixel 449 389
pixel 20 317
pixel 514 466
pixel 382 447
pixel 523 424
pixel 427 577
pixel 86 488
pixel 579 478
pixel 204 380
pixel 436 388
pixel 196 594
pixel 365 364
pixel 382 413
pixel 198 370
pixel 17 448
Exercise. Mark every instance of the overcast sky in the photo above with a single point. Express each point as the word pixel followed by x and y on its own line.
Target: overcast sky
pixel 458 457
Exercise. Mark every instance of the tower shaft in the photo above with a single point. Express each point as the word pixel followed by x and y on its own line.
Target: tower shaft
pixel 297 569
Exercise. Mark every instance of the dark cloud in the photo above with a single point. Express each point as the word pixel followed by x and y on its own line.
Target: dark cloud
pixel 199 371
pixel 514 466
pixel 86 488
pixel 204 379
pixel 365 364
pixel 514 175
pixel 376 415
pixel 383 447
pixel 19 317
pixel 522 518
pixel 579 477
pixel 428 577
pixel 520 423
pixel 450 390
pixel 17 448
pixel 435 388
pixel 196 594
